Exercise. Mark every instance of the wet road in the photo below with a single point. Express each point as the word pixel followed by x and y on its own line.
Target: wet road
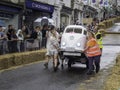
pixel 35 77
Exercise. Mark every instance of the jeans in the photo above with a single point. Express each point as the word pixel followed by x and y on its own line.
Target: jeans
pixel 94 60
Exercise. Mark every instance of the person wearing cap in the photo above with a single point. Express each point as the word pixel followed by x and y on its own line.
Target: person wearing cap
pixel 98 36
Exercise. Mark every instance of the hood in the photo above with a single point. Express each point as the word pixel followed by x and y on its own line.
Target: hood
pixel 74 41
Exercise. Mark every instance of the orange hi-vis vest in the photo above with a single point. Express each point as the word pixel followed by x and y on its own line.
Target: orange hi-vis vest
pixel 94 50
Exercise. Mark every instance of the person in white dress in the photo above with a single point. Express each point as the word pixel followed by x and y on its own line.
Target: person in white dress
pixel 20 43
pixel 52 47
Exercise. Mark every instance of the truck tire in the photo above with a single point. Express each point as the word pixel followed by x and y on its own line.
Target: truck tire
pixel 69 63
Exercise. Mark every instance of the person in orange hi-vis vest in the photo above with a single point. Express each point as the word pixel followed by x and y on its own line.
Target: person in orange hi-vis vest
pixel 93 53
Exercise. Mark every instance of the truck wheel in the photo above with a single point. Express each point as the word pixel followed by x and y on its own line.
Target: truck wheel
pixel 87 64
pixel 69 63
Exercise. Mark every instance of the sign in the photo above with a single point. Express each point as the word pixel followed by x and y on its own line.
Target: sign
pixel 39 6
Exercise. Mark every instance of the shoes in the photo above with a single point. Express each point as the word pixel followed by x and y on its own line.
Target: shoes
pixel 46 65
pixel 55 69
pixel 58 64
pixel 89 73
pixel 97 70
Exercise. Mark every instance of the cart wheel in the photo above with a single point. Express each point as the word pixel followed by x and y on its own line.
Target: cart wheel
pixel 87 65
pixel 69 63
pixel 62 67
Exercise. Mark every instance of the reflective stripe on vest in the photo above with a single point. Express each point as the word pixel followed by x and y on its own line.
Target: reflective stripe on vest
pixel 93 51
pixel 99 41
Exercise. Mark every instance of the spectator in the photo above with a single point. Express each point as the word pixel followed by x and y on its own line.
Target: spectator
pixel 39 32
pixel 1 40
pixel 32 43
pixel 25 32
pixel 14 40
pixel 9 33
pixel 26 35
pixel 44 39
pixel 5 48
pixel 20 43
pixel 34 36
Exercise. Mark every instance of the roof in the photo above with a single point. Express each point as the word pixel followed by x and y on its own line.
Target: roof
pixel 75 26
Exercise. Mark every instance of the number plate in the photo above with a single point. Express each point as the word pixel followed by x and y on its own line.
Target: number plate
pixel 72 54
pixel 69 49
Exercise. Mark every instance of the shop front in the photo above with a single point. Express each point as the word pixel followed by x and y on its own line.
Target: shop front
pixel 36 10
pixel 9 15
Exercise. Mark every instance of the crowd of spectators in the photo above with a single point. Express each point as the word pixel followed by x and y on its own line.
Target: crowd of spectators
pixel 12 40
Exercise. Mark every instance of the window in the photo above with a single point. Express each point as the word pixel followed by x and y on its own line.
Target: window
pixel 77 30
pixel 85 32
pixel 74 30
pixel 69 30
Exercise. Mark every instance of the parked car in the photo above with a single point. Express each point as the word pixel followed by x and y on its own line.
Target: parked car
pixel 73 43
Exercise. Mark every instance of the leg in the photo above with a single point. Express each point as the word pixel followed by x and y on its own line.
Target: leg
pixel 55 58
pixel 18 45
pixel 97 63
pixel 47 60
pixel 90 61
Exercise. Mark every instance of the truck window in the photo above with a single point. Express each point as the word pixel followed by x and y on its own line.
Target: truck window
pixel 77 30
pixel 69 30
pixel 85 32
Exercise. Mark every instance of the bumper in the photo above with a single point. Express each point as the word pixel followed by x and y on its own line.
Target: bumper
pixel 71 54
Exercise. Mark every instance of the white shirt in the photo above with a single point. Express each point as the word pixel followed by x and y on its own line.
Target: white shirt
pixel 19 35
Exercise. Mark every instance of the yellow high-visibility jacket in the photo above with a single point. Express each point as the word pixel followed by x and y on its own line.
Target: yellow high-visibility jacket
pixel 98 37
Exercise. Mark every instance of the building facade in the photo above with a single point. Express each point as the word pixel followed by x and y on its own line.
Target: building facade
pixel 10 13
pixel 63 12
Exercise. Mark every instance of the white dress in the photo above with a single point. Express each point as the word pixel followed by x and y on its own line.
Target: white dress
pixel 51 43
pixel 48 43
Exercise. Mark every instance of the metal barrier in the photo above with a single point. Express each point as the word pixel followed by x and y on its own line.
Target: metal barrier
pixel 12 46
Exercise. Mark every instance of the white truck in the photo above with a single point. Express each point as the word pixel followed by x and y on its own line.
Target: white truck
pixel 73 43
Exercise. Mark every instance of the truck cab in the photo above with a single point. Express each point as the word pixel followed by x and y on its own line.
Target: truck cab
pixel 73 43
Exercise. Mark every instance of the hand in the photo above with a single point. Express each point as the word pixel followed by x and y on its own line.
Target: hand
pixel 82 51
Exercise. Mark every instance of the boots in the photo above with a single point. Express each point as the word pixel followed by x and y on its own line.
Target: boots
pixel 46 65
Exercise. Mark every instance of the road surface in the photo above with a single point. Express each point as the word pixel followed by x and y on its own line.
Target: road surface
pixel 35 77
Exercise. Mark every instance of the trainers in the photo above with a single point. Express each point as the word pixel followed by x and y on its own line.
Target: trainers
pixel 89 73
pixel 55 69
pixel 46 65
pixel 97 69
pixel 58 64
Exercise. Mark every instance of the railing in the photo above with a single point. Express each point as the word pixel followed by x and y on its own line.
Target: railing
pixel 13 46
